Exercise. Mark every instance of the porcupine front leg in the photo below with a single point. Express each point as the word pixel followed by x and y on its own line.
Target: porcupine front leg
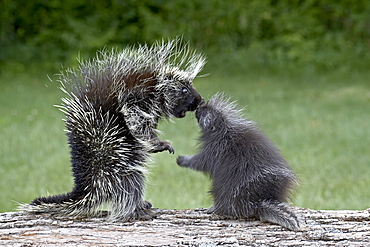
pixel 161 146
pixel 195 162
pixel 144 127
pixel 185 161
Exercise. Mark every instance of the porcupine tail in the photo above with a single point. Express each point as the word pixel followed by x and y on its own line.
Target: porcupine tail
pixel 278 213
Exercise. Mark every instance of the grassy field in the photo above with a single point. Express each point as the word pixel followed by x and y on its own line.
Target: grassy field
pixel 320 121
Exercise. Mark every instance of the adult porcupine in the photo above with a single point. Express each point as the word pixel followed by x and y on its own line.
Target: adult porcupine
pixel 112 109
pixel 250 177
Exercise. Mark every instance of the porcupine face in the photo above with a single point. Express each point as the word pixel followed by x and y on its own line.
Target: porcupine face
pixel 218 114
pixel 178 66
pixel 183 98
pixel 205 117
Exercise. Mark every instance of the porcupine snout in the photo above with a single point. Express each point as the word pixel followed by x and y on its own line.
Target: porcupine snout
pixel 202 102
pixel 198 100
pixel 195 104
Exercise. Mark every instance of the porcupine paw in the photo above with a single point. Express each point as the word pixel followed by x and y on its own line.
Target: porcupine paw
pixel 210 210
pixel 144 211
pixel 144 215
pixel 163 146
pixel 184 160
pixel 147 205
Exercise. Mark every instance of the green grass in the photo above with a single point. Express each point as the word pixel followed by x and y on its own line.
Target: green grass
pixel 319 121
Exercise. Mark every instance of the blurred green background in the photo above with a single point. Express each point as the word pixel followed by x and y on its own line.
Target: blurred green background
pixel 300 68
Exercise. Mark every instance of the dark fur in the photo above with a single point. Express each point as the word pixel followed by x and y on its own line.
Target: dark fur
pixel 250 177
pixel 112 110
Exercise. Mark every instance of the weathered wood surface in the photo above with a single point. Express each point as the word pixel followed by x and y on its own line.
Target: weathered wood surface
pixel 185 228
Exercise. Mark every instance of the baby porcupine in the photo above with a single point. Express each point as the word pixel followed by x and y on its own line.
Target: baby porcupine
pixel 112 109
pixel 250 177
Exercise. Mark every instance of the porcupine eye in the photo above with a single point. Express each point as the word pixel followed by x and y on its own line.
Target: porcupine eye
pixel 184 90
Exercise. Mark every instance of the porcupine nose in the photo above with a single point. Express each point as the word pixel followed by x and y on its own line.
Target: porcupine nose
pixel 196 103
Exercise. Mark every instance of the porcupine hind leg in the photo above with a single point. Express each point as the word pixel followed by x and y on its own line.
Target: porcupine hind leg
pixel 128 203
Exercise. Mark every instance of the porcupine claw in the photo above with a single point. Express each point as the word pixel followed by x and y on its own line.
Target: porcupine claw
pixel 162 146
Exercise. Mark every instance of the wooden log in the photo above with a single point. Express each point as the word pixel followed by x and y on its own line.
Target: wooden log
pixel 185 228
